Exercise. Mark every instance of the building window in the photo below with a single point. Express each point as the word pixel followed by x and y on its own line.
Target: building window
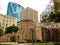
pixel 2 27
pixel 52 26
pixel 56 25
pixel 3 24
pixel 6 24
pixel 18 37
pixel 13 39
pixel 21 29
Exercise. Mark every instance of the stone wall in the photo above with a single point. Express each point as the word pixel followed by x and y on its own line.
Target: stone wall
pixel 6 37
pixel 51 34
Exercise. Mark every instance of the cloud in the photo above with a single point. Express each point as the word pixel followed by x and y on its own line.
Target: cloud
pixel 1 6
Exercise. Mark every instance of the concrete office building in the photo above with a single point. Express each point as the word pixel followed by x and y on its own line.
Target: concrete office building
pixel 29 14
pixel 6 21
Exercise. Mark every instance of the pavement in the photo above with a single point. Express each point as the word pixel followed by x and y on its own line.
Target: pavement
pixel 15 43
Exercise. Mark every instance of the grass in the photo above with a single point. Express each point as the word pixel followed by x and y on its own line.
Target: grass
pixel 5 44
pixel 58 43
pixel 42 44
pixel 52 43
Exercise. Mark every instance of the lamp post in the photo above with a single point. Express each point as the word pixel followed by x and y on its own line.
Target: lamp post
pixel 32 36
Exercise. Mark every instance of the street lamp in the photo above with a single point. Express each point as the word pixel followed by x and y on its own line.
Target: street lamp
pixel 32 36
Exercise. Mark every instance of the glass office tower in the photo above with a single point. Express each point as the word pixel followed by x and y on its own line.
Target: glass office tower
pixel 14 10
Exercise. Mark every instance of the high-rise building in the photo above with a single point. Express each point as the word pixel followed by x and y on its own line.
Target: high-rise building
pixel 6 21
pixel 14 10
pixel 29 14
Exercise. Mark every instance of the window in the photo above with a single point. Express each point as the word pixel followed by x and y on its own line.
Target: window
pixel 13 39
pixel 18 37
pixel 6 25
pixel 20 27
pixel 52 26
pixel 3 27
pixel 56 25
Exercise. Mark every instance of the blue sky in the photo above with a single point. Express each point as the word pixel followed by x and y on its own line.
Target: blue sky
pixel 38 5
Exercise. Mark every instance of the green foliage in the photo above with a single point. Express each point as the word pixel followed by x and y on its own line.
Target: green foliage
pixel 6 44
pixel 52 17
pixel 44 18
pixel 57 43
pixel 11 29
pixel 1 32
pixel 56 5
pixel 43 44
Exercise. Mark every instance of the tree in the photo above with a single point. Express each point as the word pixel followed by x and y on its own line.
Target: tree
pixel 54 17
pixel 56 5
pixel 1 32
pixel 11 29
pixel 44 18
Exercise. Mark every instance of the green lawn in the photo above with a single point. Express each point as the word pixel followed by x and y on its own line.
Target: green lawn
pixel 5 44
pixel 58 43
pixel 53 43
pixel 42 44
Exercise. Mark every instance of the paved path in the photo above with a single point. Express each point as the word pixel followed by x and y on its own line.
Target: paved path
pixel 23 44
pixel 15 43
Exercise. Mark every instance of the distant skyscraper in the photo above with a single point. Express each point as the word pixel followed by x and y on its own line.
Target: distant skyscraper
pixel 14 10
pixel 29 14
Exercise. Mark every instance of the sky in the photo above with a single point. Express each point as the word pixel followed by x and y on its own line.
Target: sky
pixel 38 5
